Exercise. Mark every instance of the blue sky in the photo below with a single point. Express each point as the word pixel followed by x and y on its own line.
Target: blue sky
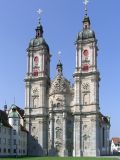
pixel 62 20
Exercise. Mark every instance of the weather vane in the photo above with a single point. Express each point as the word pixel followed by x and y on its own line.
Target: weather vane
pixel 86 5
pixel 59 53
pixel 39 11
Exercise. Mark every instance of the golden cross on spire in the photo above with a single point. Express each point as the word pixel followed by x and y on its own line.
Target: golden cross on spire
pixel 86 6
pixel 39 11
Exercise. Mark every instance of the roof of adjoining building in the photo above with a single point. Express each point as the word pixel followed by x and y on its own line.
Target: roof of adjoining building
pixel 23 128
pixel 4 119
pixel 116 140
pixel 20 111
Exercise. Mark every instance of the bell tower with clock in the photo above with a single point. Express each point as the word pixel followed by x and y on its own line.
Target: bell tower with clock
pixel 36 96
pixel 86 95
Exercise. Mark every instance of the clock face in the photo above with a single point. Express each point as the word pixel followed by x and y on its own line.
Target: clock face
pixel 85 67
pixel 85 53
pixel 36 60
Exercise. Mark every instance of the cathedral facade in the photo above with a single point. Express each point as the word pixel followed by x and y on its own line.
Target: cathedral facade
pixel 61 119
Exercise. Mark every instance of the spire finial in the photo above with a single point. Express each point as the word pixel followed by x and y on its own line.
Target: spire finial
pixel 39 29
pixel 86 6
pixel 39 11
pixel 59 65
pixel 59 53
pixel 14 100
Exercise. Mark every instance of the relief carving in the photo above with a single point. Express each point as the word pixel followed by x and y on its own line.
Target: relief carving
pixel 34 131
pixel 60 84
pixel 93 119
pixel 58 146
pixel 35 92
pixel 58 121
pixel 58 133
pixel 59 99
pixel 77 122
pixel 86 141
pixel 42 121
pixel 86 86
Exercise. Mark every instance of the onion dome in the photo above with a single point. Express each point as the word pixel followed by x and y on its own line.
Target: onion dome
pixel 60 85
pixel 38 41
pixel 13 113
pixel 86 33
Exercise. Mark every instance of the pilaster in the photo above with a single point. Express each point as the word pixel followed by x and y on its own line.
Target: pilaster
pixel 64 151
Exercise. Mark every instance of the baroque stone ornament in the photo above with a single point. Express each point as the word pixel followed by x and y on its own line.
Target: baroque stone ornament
pixel 35 92
pixel 59 85
pixel 58 121
pixel 86 86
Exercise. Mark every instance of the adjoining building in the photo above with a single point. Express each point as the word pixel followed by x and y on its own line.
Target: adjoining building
pixel 13 135
pixel 115 146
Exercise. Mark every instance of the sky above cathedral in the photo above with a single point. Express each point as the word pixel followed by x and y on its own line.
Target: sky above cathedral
pixel 61 20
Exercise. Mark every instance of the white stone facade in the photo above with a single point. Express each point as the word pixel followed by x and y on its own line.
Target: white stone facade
pixel 13 135
pixel 61 119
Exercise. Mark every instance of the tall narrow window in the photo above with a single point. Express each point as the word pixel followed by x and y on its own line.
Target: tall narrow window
pixel 4 140
pixel 14 141
pixel 9 141
pixel 4 150
pixel 103 137
pixel 8 150
pixel 14 150
pixel 14 132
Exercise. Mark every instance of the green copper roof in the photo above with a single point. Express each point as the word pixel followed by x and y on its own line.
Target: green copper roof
pixel 13 106
pixel 13 115
pixel 36 42
pixel 14 112
pixel 86 34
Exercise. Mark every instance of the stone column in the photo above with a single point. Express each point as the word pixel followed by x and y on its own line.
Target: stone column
pixel 77 151
pixel 94 137
pixel 30 63
pixel 64 150
pixel 51 130
pixel 51 148
pixel 43 137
